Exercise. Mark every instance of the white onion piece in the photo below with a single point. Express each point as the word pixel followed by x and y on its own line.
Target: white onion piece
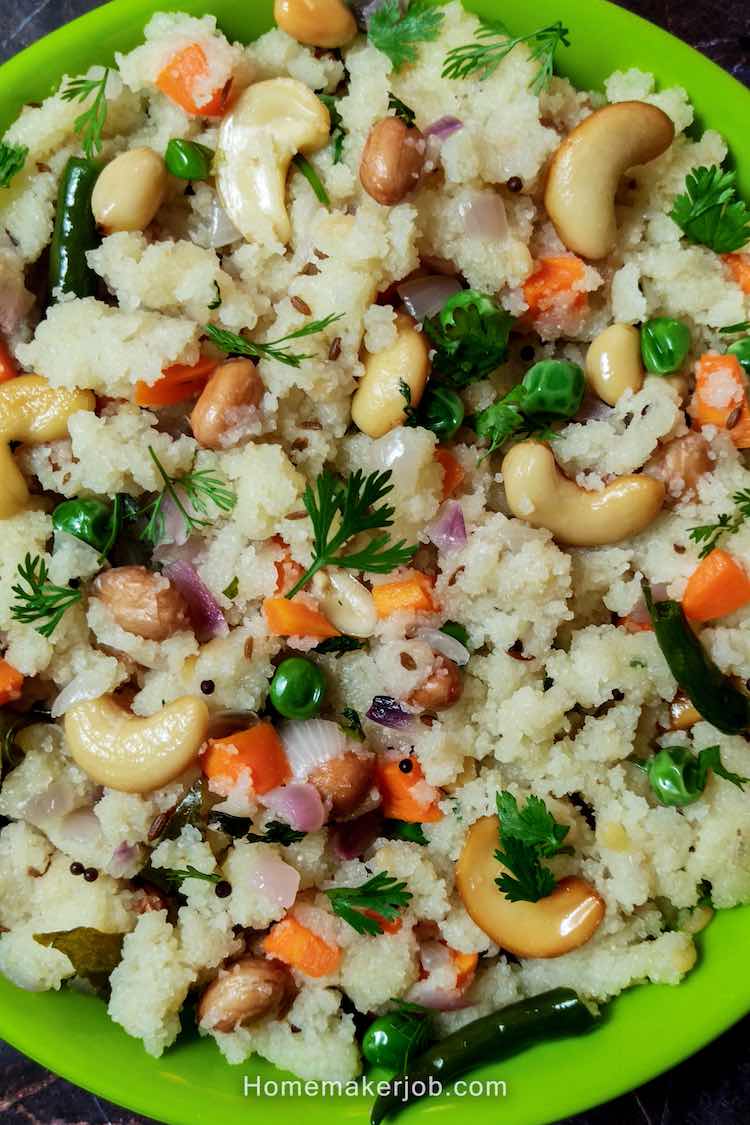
pixel 310 743
pixel 275 879
pixel 425 296
pixel 79 828
pixel 80 689
pixel 436 958
pixel 125 861
pixel 484 216
pixel 221 229
pixel 438 999
pixel 175 528
pixel 299 805
pixel 446 645
pixel 58 799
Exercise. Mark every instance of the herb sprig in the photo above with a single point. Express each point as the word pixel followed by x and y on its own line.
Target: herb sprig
pixel 233 344
pixel 470 336
pixel 42 601
pixel 195 489
pixel 277 832
pixel 395 33
pixel 12 160
pixel 482 58
pixel 402 110
pixel 90 124
pixel 177 877
pixel 710 213
pixel 339 511
pixel 707 535
pixel 303 165
pixel 338 132
pixel 527 835
pixel 382 894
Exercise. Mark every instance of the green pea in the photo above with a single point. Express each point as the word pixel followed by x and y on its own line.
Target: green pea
pixel 552 386
pixel 457 631
pixel 88 520
pixel 298 688
pixel 443 412
pixel 741 349
pixel 396 1037
pixel 676 776
pixel 665 342
pixel 188 160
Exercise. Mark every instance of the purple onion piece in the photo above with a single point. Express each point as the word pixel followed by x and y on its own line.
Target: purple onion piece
pixel 448 532
pixel 443 128
pixel 205 612
pixel 389 712
pixel 352 838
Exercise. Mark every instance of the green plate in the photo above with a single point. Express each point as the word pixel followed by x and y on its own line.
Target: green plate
pixel 647 1029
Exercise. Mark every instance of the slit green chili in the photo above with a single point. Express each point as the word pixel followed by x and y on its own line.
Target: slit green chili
pixel 712 693
pixel 497 1036
pixel 75 231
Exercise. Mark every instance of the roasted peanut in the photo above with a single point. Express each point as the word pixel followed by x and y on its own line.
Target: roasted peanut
pixel 680 464
pixel 316 23
pixel 441 689
pixel 130 191
pixel 392 161
pixel 142 603
pixel 245 992
pixel 231 396
pixel 344 781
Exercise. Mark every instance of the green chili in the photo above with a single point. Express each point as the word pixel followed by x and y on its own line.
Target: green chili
pixel 664 344
pixel 391 1040
pixel 497 1036
pixel 188 160
pixel 75 230
pixel 741 349
pixel 711 692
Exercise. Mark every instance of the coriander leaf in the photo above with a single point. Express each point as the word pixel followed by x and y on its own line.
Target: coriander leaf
pixel 407 830
pixel 12 160
pixel 351 724
pixel 710 213
pixel 481 59
pixel 407 115
pixel 338 132
pixel 277 832
pixel 339 645
pixel 231 590
pixel 233 344
pixel 529 880
pixel 470 336
pixel 176 877
pixel 395 33
pixel 707 536
pixel 534 825
pixel 526 836
pixel 498 423
pixel 42 601
pixel 191 494
pixel 90 124
pixel 350 507
pixel 303 165
pixel 382 894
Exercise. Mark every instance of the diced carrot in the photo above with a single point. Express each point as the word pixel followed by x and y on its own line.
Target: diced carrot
pixel 386 926
pixel 720 397
pixel 179 77
pixel 398 801
pixel 287 618
pixel 466 966
pixel 453 472
pixel 258 750
pixel 8 369
pixel 11 682
pixel 552 278
pixel 288 572
pixel 739 264
pixel 414 593
pixel 177 384
pixel 719 585
pixel 291 942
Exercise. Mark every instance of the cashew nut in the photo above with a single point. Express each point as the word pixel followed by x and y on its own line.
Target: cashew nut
pixel 613 362
pixel 586 170
pixel 130 190
pixel 316 23
pixel 34 412
pixel 135 755
pixel 379 404
pixel 538 493
pixel 348 604
pixel 270 123
pixel 550 927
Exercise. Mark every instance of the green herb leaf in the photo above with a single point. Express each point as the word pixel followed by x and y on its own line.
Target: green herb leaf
pixel 304 166
pixel 177 877
pixel 481 59
pixel 470 336
pixel 733 329
pixel 402 110
pixel 708 535
pixel 526 836
pixel 231 590
pixel 195 490
pixel 353 504
pixel 409 411
pixel 233 344
pixel 191 809
pixel 277 832
pixel 351 724
pixel 337 646
pixel 338 132
pixel 218 299
pixel 93 954
pixel 12 160
pixel 90 124
pixel 710 213
pixel 382 894
pixel 411 831
pixel 42 601
pixel 395 33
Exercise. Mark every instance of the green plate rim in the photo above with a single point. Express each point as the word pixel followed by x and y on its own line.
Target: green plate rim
pixel 68 1034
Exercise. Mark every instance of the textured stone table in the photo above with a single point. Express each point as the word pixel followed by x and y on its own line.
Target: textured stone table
pixel 712 1088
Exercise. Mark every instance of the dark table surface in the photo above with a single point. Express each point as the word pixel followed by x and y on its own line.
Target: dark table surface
pixel 712 1088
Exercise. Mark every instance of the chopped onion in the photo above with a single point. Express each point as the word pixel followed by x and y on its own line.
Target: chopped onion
pixel 58 799
pixel 351 839
pixel 298 804
pixel 311 743
pixel 438 999
pixel 125 861
pixel 446 645
pixel 221 229
pixel 80 689
pixel 448 531
pixel 275 879
pixel 205 612
pixel 443 128
pixel 425 296
pixel 390 712
pixel 483 215
pixel 175 527
pixel 79 828
pixel 639 614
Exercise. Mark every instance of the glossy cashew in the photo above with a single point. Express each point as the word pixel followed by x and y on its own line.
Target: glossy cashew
pixel 613 363
pixel 379 403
